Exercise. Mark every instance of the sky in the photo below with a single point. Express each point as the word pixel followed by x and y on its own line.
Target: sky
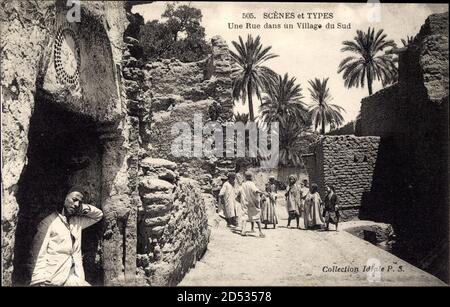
pixel 306 53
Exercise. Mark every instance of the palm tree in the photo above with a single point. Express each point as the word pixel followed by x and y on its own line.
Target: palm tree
pixel 294 141
pixel 251 77
pixel 409 40
pixel 322 112
pixel 241 117
pixel 283 104
pixel 283 101
pixel 370 62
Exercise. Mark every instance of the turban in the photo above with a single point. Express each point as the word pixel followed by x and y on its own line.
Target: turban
pixel 293 177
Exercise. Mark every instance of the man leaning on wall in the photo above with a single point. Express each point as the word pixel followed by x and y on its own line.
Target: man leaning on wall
pixel 56 258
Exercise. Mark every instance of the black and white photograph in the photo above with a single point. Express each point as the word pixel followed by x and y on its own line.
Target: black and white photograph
pixel 223 144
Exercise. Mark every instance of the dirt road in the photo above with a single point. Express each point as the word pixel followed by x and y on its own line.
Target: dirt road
pixel 293 257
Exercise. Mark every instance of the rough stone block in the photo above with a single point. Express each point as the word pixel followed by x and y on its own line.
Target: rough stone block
pixel 151 184
pixel 158 163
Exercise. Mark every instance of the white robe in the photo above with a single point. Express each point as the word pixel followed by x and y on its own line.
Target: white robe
pixel 250 200
pixel 229 195
pixel 53 255
pixel 314 209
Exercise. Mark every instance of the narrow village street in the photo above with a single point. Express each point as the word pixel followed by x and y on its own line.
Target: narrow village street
pixel 292 257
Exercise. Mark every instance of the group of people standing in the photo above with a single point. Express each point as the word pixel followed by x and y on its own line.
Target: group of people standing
pixel 241 202
pixel 304 201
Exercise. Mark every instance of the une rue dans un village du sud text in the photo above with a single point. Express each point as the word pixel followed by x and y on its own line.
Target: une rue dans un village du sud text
pixel 289 16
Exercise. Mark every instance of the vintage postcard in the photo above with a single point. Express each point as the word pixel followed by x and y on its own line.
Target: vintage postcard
pixel 201 144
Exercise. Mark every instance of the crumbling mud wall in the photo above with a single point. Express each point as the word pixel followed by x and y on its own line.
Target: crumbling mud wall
pixel 413 151
pixel 347 129
pixel 172 225
pixel 348 163
pixel 182 91
pixel 64 124
pixel 378 112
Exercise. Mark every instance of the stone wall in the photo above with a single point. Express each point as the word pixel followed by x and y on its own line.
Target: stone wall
pixel 347 129
pixel 173 225
pixel 348 163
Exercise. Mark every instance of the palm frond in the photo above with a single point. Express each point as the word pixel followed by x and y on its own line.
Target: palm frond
pixel 323 113
pixel 368 63
pixel 252 78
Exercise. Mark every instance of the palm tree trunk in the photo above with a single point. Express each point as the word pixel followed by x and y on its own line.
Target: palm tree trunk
pixel 369 81
pixel 250 102
pixel 323 125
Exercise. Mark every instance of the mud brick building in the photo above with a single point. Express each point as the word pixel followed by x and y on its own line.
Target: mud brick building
pixel 347 162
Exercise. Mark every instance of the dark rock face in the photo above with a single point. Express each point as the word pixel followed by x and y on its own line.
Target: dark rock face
pixel 411 177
